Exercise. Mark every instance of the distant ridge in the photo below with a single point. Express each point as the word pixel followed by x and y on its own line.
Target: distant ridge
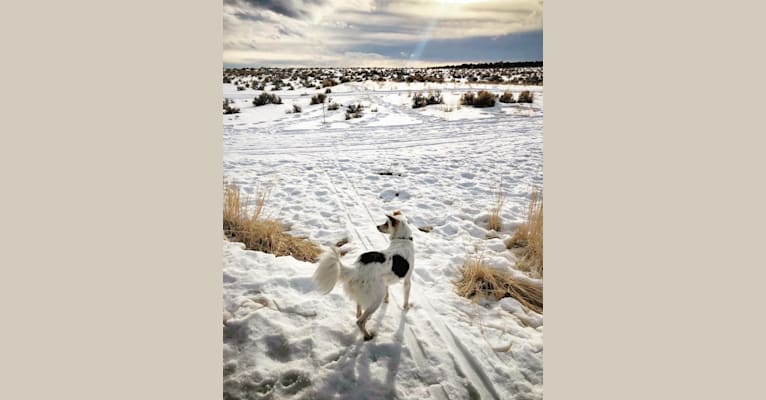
pixel 498 64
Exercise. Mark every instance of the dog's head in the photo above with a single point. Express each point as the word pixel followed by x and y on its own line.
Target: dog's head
pixel 393 222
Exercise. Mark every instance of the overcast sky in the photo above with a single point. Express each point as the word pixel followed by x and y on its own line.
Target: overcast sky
pixel 380 32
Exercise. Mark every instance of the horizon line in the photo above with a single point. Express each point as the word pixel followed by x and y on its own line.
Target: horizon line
pixel 436 65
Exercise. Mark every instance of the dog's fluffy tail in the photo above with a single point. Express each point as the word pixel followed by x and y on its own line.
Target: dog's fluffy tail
pixel 330 269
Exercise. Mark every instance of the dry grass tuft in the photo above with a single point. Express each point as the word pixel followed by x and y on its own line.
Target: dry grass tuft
pixel 495 222
pixel 527 240
pixel 477 278
pixel 259 233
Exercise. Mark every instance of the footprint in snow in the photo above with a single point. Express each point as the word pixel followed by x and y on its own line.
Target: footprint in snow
pixel 293 382
pixel 247 387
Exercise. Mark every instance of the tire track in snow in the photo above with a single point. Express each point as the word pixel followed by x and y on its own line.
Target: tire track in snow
pixel 341 204
pixel 498 118
pixel 393 144
pixel 464 363
pixel 357 197
pixel 415 347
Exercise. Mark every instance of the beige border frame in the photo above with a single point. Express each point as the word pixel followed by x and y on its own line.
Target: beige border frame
pixel 110 269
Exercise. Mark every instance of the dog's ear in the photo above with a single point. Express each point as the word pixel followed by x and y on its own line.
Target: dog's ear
pixel 393 220
pixel 397 212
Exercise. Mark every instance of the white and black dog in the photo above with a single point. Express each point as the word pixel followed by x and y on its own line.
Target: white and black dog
pixel 367 281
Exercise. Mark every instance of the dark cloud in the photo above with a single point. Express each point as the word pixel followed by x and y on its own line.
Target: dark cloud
pixel 251 16
pixel 289 8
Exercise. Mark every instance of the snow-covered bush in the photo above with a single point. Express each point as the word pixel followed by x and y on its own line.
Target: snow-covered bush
pixel 420 100
pixel 526 97
pixel 481 99
pixel 266 98
pixel 506 97
pixel 467 99
pixel 484 99
pixel 318 98
pixel 354 111
pixel 227 108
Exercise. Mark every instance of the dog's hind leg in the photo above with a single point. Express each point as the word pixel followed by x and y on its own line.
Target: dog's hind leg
pixel 361 321
pixel 358 310
pixel 386 299
pixel 406 288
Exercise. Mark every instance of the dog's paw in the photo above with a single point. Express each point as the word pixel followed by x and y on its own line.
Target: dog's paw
pixel 369 337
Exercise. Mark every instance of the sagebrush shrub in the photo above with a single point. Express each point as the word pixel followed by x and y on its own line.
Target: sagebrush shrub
pixel 481 99
pixel 506 97
pixel 420 100
pixel 318 98
pixel 484 99
pixel 526 97
pixel 354 111
pixel 266 98
pixel 467 99
pixel 227 108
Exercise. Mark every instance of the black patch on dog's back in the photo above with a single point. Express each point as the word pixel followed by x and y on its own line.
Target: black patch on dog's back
pixel 400 266
pixel 371 257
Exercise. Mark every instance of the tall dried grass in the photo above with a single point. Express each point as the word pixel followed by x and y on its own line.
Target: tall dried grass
pixel 258 232
pixel 527 240
pixel 477 279
pixel 495 221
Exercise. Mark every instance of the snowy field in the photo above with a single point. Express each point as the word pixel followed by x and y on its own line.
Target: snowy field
pixel 440 165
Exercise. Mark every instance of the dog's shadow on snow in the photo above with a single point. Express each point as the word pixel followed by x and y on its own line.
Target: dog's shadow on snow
pixel 351 377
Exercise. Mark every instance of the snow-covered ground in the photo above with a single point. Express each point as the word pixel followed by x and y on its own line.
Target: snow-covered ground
pixel 440 165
